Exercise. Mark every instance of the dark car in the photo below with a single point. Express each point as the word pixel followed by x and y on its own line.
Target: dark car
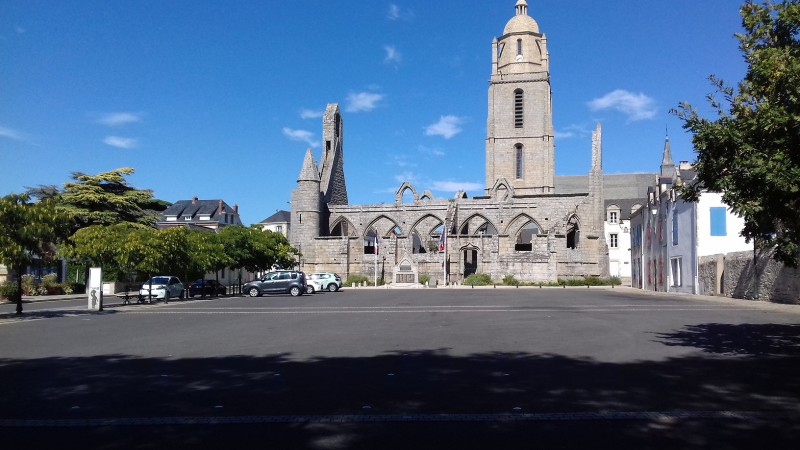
pixel 278 282
pixel 207 287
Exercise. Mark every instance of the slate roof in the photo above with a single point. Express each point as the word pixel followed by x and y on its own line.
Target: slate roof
pixel 194 209
pixel 625 206
pixel 625 186
pixel 279 217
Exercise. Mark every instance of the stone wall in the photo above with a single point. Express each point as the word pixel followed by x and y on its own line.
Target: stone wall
pixel 732 275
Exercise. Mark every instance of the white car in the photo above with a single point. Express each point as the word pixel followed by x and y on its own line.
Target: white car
pixel 162 287
pixel 313 286
pixel 329 281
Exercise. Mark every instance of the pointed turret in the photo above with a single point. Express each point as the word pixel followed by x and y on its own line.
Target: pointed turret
pixel 306 202
pixel 309 170
pixel 667 166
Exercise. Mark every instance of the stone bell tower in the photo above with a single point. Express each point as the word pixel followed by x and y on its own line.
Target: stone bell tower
pixel 519 135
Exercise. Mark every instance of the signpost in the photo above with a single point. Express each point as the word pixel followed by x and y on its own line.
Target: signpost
pixel 95 291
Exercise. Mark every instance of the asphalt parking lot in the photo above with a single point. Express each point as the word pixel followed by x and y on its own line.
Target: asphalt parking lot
pixel 382 368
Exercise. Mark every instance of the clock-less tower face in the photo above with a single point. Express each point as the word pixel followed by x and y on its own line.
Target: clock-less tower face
pixel 519 139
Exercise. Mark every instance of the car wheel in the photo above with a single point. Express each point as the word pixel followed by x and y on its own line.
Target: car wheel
pixel 309 289
pixel 333 287
pixel 254 292
pixel 295 291
pixel 183 294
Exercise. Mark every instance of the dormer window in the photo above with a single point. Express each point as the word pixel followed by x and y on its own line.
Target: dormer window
pixel 187 217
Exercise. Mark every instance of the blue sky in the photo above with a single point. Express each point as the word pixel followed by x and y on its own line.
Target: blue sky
pixel 221 99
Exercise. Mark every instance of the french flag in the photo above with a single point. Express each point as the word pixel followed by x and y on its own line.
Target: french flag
pixel 377 244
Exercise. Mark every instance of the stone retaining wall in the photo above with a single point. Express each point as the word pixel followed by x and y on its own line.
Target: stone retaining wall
pixel 732 275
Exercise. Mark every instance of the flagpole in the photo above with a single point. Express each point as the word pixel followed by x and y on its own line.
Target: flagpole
pixel 444 262
pixel 376 259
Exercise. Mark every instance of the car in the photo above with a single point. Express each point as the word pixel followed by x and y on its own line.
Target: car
pixel 313 286
pixel 162 287
pixel 329 281
pixel 277 282
pixel 207 287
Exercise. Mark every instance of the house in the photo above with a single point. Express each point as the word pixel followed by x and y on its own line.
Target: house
pixel 210 214
pixel 670 235
pixel 277 223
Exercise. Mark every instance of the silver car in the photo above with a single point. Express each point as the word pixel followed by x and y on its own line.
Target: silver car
pixel 162 287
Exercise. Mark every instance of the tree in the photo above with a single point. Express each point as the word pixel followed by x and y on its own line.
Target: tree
pixel 751 152
pixel 27 231
pixel 104 199
pixel 116 248
pixel 254 249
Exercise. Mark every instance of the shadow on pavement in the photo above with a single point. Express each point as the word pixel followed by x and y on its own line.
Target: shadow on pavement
pixel 753 368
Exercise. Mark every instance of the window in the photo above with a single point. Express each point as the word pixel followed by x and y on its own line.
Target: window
pixel 573 233
pixel 518 161
pixel 518 108
pixel 674 228
pixel 279 229
pixel 519 47
pixel 675 272
pixel 525 237
pixel 718 226
pixel 614 240
pixel 613 217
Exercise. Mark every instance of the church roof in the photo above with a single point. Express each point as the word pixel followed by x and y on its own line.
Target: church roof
pixel 631 185
pixel 521 22
pixel 309 172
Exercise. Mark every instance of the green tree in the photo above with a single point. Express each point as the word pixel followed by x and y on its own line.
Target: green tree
pixel 116 248
pixel 104 199
pixel 751 152
pixel 206 254
pixel 27 231
pixel 254 249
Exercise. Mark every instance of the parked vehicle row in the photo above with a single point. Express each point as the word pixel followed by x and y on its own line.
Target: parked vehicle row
pixel 295 283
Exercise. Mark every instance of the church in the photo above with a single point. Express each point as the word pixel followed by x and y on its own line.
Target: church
pixel 524 224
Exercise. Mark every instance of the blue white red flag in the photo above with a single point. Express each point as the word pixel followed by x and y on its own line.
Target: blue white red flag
pixel 442 240
pixel 376 244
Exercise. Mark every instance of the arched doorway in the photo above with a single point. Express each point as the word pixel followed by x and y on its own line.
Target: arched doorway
pixel 470 258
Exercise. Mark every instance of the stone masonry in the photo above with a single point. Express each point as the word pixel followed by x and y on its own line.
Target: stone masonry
pixel 519 227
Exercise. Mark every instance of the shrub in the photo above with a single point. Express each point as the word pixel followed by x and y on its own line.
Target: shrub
pixel 509 280
pixel 424 279
pixel 29 285
pixel 357 279
pixel 479 279
pixel 8 289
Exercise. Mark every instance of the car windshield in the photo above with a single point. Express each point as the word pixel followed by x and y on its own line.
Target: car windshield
pixel 158 280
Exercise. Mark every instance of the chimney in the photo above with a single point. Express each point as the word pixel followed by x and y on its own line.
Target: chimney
pixel 219 207
pixel 194 200
pixel 236 209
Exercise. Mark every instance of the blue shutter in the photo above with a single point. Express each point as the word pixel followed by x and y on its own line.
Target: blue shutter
pixel 718 225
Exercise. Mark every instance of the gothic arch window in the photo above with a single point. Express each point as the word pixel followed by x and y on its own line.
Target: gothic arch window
pixel 464 230
pixel 519 161
pixel 519 47
pixel 487 229
pixel 573 233
pixel 525 237
pixel 417 244
pixel 519 96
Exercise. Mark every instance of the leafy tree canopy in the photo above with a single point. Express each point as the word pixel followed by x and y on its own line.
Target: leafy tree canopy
pixel 751 151
pixel 28 231
pixel 104 199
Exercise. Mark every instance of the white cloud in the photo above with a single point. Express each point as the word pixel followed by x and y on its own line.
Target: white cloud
pixel 311 114
pixel 119 119
pixel 11 134
pixel 430 151
pixel 447 127
pixel 406 176
pixel 563 134
pixel 455 186
pixel 635 106
pixel 120 142
pixel 397 13
pixel 363 101
pixel 393 57
pixel 301 136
